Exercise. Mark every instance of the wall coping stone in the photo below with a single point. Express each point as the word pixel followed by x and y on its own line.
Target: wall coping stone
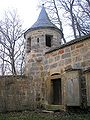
pixel 73 69
pixel 13 76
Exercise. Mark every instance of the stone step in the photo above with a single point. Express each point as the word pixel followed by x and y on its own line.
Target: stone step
pixel 47 111
pixel 55 107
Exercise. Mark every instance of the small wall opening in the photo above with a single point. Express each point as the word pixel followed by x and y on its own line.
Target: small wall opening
pixel 56 91
pixel 48 40
pixel 37 40
pixel 28 45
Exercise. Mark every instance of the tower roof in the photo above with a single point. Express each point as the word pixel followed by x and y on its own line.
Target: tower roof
pixel 43 21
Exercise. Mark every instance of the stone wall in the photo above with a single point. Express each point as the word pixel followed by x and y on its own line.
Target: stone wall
pixel 72 56
pixel 40 35
pixel 35 72
pixel 16 93
pixel 34 89
pixel 40 68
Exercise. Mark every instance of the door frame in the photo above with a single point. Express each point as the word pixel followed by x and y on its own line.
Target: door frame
pixel 56 91
pixel 55 77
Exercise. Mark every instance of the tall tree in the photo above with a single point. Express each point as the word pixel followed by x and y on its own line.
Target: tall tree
pixel 58 19
pixel 76 13
pixel 11 41
pixel 68 6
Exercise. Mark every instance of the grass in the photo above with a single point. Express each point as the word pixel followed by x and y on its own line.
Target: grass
pixel 43 116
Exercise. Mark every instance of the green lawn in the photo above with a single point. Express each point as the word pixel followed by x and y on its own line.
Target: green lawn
pixel 44 116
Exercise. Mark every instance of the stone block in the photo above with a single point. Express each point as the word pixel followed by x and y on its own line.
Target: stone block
pixel 57 58
pixel 66 55
pixel 83 50
pixel 46 61
pixel 86 56
pixel 50 60
pixel 31 77
pixel 39 54
pixel 67 61
pixel 53 53
pixel 39 59
pixel 53 66
pixel 34 64
pixel 32 69
pixel 85 63
pixel 79 45
pixel 77 65
pixel 75 52
pixel 72 47
pixel 67 50
pixel 31 60
pixel 46 67
pixel 77 58
pixel 61 63
pixel 61 51
pixel 31 73
pixel 68 67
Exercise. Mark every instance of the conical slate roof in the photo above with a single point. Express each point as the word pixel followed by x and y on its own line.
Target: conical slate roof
pixel 43 21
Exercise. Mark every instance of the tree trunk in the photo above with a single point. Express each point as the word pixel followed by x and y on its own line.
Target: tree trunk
pixel 60 23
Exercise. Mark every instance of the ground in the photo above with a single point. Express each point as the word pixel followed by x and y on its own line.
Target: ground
pixel 38 115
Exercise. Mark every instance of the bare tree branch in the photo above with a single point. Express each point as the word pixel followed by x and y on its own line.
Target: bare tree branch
pixel 11 31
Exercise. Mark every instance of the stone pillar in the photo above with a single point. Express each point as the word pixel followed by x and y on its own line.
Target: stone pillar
pixel 87 77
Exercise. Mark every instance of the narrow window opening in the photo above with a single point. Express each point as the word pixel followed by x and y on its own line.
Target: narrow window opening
pixel 37 40
pixel 48 40
pixel 28 45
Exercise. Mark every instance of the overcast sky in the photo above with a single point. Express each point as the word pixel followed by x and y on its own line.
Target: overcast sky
pixel 27 10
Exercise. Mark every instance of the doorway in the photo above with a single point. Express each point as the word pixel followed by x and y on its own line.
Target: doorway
pixel 56 91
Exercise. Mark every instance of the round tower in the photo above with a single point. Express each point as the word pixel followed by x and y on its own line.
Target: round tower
pixel 43 35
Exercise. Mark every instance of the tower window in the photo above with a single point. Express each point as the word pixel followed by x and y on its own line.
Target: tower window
pixel 37 40
pixel 48 40
pixel 28 45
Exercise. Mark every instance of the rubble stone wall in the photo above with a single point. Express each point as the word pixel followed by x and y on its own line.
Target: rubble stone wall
pixel 16 93
pixel 75 56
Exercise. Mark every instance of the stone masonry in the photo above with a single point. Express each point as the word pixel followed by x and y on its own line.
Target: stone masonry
pixel 56 75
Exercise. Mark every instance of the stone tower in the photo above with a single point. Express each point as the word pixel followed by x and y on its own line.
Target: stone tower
pixel 42 36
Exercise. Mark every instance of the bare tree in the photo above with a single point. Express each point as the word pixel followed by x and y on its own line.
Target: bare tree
pixel 59 21
pixel 68 7
pixel 88 2
pixel 83 16
pixel 11 41
pixel 76 13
